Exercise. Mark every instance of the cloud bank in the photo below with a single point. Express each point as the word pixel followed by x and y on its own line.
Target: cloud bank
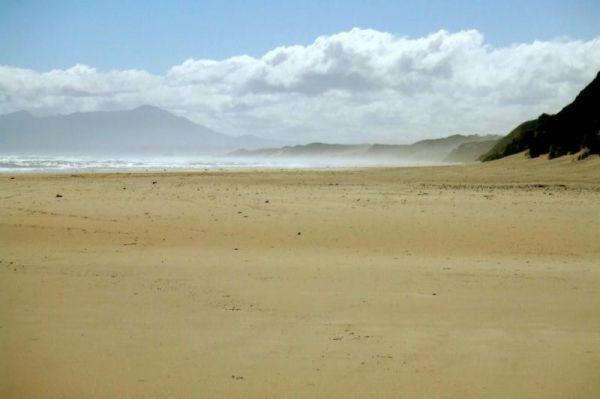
pixel 356 86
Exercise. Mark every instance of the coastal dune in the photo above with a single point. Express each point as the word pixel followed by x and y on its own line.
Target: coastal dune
pixel 462 281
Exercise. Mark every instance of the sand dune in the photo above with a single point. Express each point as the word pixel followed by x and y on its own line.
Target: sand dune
pixel 456 282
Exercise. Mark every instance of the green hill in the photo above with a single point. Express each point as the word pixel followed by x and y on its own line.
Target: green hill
pixel 575 128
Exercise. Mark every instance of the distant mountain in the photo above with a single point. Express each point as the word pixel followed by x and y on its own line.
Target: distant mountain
pixel 575 128
pixel 469 152
pixel 426 150
pixel 142 130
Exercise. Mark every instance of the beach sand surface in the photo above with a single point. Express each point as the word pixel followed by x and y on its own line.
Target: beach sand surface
pixel 467 281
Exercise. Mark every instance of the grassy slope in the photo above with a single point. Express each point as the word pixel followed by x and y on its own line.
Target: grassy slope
pixel 576 127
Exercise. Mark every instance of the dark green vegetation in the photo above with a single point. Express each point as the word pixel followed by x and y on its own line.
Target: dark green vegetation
pixel 575 128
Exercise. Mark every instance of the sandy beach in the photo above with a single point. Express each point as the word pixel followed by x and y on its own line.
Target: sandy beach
pixel 467 281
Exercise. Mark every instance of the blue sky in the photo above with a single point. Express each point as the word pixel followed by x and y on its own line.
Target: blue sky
pixel 154 35
pixel 335 71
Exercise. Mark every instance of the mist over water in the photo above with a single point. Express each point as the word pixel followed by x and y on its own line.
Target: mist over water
pixel 150 138
pixel 136 163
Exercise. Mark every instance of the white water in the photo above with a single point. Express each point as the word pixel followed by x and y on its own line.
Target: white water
pixel 31 163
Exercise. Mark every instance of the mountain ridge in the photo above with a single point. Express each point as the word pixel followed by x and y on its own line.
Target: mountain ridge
pixel 146 129
pixel 428 149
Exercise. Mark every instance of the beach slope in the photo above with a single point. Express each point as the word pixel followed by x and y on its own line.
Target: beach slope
pixel 456 282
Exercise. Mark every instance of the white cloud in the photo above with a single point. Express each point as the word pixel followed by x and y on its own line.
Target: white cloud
pixel 361 85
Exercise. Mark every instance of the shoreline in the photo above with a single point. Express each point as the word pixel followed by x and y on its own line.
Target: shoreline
pixel 517 161
pixel 516 170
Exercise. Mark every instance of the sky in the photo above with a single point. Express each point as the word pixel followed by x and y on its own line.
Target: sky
pixel 334 71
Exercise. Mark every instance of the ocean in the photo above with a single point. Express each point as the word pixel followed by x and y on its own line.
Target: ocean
pixel 57 164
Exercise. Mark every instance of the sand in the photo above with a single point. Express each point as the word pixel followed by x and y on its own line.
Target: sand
pixel 476 281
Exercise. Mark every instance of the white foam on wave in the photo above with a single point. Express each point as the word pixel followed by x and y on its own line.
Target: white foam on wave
pixel 33 163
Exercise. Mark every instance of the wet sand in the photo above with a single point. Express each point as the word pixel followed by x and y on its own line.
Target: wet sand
pixel 476 281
